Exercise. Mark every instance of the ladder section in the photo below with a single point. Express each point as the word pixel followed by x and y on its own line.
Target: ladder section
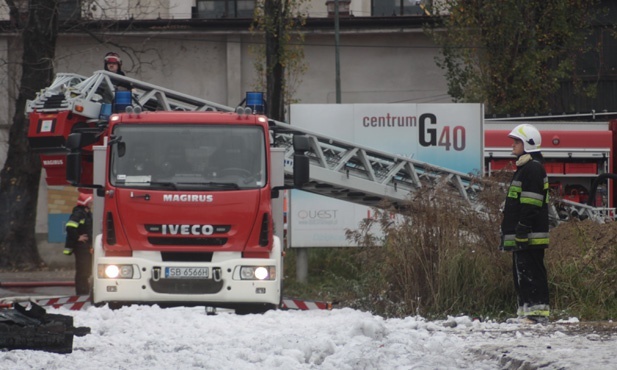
pixel 68 91
pixel 569 209
pixel 339 169
pixel 366 176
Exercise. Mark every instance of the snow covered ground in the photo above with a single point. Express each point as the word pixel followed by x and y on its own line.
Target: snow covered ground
pixel 140 337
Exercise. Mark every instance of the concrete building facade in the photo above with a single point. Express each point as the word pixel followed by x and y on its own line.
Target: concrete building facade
pixel 382 59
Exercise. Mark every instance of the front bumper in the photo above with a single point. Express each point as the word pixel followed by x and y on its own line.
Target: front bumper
pixel 223 287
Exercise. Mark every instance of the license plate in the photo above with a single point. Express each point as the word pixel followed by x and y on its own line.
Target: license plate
pixel 186 272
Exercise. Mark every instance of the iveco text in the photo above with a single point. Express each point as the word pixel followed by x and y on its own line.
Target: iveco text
pixel 188 229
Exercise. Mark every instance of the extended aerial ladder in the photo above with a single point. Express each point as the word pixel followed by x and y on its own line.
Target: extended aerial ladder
pixel 338 169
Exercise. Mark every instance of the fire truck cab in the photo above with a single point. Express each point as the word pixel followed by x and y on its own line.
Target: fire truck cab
pixel 188 208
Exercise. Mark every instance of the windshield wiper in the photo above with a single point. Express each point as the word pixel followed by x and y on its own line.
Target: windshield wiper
pixel 165 184
pixel 214 185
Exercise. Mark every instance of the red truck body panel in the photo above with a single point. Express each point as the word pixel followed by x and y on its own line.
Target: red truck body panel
pixel 166 221
pixel 574 157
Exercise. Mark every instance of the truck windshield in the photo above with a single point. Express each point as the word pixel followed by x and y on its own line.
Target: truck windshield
pixel 189 157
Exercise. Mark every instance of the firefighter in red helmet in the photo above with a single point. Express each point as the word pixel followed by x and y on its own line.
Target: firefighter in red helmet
pixel 79 242
pixel 113 63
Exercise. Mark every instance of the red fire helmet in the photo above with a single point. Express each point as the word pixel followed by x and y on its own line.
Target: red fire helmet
pixel 112 57
pixel 84 199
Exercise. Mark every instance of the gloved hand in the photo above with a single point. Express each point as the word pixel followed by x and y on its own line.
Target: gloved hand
pixel 521 236
pixel 67 251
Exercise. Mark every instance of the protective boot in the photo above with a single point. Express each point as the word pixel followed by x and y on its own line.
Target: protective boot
pixel 528 320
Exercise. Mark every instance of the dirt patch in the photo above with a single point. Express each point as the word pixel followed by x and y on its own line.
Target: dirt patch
pixel 601 329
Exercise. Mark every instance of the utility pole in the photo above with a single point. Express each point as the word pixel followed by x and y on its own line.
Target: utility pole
pixel 336 52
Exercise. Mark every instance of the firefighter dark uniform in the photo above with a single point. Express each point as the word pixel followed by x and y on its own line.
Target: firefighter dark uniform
pixel 525 226
pixel 79 226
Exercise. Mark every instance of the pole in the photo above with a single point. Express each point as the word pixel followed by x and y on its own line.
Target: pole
pixel 336 52
pixel 302 265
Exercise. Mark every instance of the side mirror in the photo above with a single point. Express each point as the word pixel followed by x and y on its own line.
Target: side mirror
pixel 301 160
pixel 73 159
pixel 73 142
pixel 301 170
pixel 73 167
pixel 301 143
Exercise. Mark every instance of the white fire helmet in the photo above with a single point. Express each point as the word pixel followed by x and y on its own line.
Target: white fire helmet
pixel 529 135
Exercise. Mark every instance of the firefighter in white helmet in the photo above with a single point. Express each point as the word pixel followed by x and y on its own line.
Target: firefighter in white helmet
pixel 525 225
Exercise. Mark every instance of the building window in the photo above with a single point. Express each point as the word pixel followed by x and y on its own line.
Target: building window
pixel 388 8
pixel 225 8
pixel 69 10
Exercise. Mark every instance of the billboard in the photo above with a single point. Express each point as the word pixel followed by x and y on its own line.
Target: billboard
pixel 446 135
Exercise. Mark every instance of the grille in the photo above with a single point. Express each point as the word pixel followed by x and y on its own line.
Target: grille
pixel 186 286
pixel 160 240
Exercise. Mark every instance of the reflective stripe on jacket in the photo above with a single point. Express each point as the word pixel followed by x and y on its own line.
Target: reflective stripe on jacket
pixel 80 222
pixel 527 203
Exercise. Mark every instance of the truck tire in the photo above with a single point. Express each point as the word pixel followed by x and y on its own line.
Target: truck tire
pixel 258 308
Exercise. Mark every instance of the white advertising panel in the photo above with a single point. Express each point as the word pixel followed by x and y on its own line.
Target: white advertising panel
pixel 446 135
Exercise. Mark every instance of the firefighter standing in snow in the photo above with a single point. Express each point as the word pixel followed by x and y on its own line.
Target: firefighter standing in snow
pixel 79 242
pixel 525 225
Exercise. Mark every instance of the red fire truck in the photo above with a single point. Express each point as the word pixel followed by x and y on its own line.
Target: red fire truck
pixel 184 204
pixel 576 154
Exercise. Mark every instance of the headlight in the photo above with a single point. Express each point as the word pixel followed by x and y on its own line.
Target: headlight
pixel 261 273
pixel 112 271
pixel 115 271
pixel 258 272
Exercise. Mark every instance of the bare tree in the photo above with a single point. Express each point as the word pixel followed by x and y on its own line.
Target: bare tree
pixel 279 20
pixel 19 178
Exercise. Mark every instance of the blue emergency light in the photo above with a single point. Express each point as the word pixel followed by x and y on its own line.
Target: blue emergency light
pixel 255 101
pixel 122 99
pixel 105 112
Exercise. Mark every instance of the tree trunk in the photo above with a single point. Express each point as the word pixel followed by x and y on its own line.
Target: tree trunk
pixel 19 179
pixel 275 71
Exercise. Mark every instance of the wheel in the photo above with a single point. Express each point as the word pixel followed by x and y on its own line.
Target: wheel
pixel 258 308
pixel 115 305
